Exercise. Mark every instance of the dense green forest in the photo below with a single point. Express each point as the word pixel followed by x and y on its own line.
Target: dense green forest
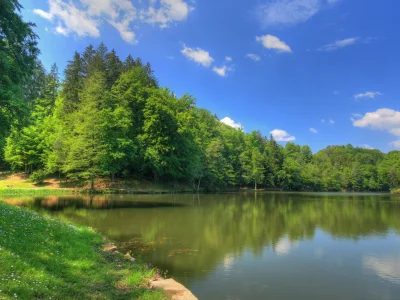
pixel 110 117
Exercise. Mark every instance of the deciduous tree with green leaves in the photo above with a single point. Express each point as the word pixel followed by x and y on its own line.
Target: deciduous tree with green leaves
pixel 18 52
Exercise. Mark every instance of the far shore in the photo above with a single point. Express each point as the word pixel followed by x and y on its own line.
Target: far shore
pixel 19 184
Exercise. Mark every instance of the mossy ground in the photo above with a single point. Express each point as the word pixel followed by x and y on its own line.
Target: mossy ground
pixel 46 258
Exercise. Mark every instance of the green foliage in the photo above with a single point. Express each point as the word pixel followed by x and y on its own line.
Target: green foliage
pixel 18 54
pixel 160 134
pixel 389 171
pixel 110 118
pixel 21 149
pixel 257 170
pixel 289 176
pixel 26 147
pixel 38 176
pixel 85 145
pixel 73 83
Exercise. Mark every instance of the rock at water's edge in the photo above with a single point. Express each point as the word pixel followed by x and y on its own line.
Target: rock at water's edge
pixel 173 289
pixel 110 247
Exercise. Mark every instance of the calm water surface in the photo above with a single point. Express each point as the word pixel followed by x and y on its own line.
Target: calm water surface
pixel 253 246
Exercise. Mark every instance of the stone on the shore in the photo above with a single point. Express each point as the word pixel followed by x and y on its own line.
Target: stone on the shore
pixel 173 289
pixel 129 257
pixel 110 247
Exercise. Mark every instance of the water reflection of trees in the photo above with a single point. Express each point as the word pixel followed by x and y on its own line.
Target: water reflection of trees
pixel 185 233
pixel 235 224
pixel 60 203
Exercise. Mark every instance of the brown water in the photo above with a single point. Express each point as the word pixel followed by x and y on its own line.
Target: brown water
pixel 253 246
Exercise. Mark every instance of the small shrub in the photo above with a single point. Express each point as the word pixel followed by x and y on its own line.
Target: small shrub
pixel 38 176
pixel 395 191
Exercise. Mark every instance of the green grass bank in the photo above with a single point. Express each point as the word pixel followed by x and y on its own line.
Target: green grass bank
pixel 42 257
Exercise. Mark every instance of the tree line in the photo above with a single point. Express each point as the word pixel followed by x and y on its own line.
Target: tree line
pixel 110 117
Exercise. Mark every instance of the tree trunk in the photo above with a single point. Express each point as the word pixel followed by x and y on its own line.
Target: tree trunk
pixel 255 185
pixel 91 183
pixel 198 185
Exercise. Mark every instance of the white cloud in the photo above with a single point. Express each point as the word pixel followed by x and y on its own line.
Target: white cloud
pixel 61 30
pixel 339 44
pixel 84 17
pixel 169 11
pixel 198 55
pixel 287 12
pixel 366 146
pixel 112 8
pixel 384 119
pixel 123 27
pixel 330 121
pixel 228 58
pixel 273 42
pixel 222 71
pixel 313 130
pixel 229 261
pixel 70 19
pixel 284 246
pixel 395 144
pixel 282 136
pixel 371 95
pixel 388 268
pixel 43 14
pixel 228 121
pixel 254 57
pixel 120 22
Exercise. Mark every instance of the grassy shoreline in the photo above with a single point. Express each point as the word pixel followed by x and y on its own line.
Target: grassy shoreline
pixel 14 184
pixel 20 184
pixel 42 257
pixel 59 191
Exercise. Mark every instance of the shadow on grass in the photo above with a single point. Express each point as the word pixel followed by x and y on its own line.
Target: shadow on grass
pixel 42 184
pixel 73 184
pixel 4 175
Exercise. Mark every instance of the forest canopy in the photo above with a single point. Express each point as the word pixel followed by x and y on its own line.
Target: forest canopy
pixel 110 117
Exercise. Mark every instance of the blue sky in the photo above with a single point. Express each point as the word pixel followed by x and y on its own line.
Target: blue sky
pixel 318 72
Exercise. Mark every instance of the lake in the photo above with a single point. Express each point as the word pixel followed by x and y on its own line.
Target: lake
pixel 253 245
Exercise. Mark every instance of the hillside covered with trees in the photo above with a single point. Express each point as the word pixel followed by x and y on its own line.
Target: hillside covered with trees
pixel 110 117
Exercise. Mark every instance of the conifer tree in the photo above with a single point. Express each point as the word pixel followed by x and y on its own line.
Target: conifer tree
pixel 114 67
pixel 85 141
pixel 73 83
